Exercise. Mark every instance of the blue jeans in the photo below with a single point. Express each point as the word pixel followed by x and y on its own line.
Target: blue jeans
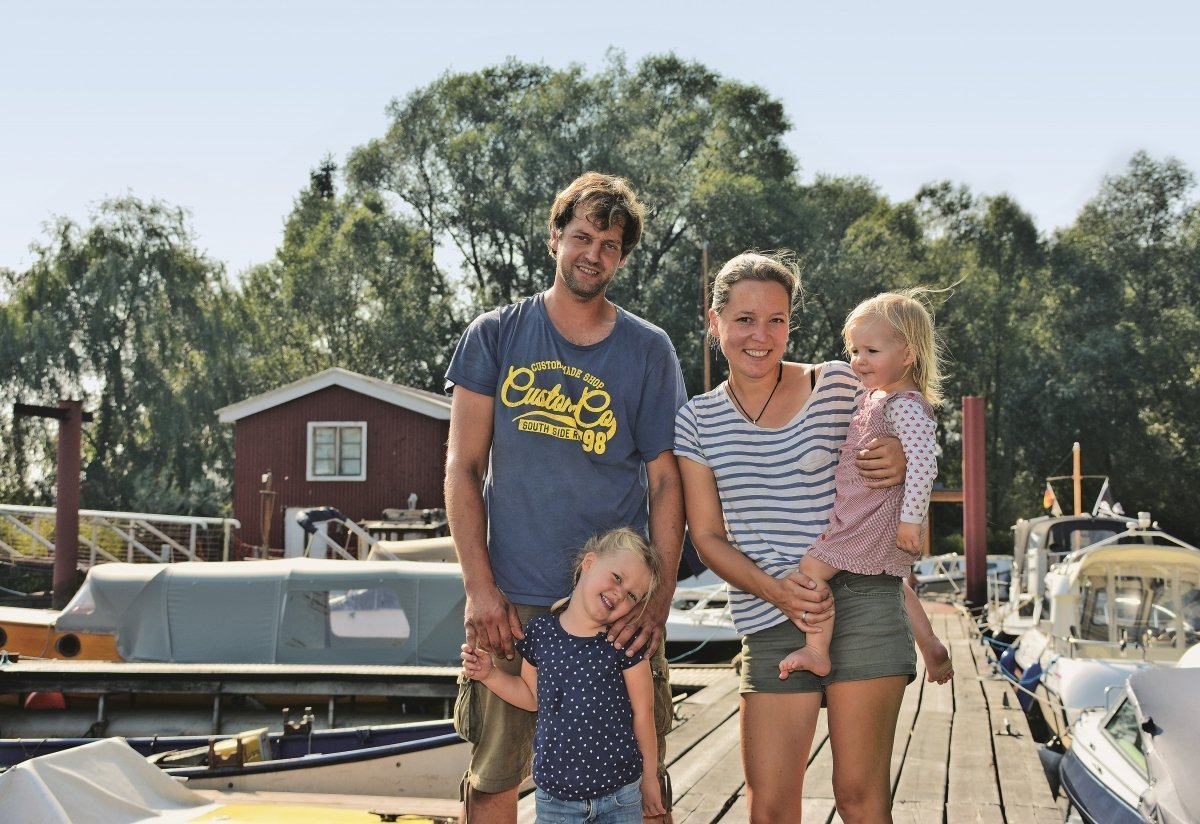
pixel 624 806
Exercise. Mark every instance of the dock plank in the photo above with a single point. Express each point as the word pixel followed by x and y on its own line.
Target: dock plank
pixel 972 780
pixel 951 760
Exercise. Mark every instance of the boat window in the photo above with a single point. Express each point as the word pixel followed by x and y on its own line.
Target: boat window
pixel 368 613
pixel 1124 610
pixel 1122 728
pixel 1161 626
pixel 1069 537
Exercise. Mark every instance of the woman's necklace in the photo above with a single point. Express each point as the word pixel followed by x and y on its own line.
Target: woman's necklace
pixel 732 394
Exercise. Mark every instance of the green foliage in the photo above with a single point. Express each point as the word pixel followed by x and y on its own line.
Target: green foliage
pixel 1091 335
pixel 352 286
pixel 125 315
pixel 476 159
pixel 1125 336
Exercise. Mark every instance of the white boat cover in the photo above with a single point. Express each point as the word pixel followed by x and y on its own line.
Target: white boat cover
pixel 289 611
pixel 1166 709
pixel 105 782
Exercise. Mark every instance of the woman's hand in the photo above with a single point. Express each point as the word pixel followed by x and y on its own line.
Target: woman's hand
pixel 882 463
pixel 807 602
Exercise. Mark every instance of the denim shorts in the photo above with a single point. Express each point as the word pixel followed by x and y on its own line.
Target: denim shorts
pixel 624 806
pixel 871 639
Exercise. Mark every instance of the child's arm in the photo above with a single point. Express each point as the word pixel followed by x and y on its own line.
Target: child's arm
pixel 520 691
pixel 916 430
pixel 641 695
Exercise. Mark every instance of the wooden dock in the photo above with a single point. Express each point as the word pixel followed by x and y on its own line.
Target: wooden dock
pixel 960 754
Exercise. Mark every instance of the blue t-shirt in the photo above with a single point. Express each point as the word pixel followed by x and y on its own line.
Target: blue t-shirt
pixel 584 746
pixel 573 428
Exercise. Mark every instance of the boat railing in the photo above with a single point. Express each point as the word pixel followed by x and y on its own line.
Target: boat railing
pixel 27 534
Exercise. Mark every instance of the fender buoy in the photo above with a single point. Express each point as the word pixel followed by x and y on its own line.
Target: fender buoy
pixel 45 701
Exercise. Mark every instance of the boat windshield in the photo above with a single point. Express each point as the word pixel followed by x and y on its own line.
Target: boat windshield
pixel 1140 609
pixel 1122 728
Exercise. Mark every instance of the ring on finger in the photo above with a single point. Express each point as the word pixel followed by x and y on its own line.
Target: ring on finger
pixel 804 617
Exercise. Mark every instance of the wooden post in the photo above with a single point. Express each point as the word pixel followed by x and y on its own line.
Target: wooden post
pixel 66 516
pixel 974 500
pixel 71 418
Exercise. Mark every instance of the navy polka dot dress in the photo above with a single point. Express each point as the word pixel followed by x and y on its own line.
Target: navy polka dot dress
pixel 584 746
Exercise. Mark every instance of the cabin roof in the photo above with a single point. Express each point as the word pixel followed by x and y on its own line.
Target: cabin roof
pixel 417 400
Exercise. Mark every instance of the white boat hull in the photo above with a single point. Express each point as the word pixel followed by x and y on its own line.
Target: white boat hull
pixel 433 773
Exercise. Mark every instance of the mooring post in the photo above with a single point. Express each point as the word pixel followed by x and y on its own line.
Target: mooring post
pixel 974 500
pixel 66 520
pixel 71 418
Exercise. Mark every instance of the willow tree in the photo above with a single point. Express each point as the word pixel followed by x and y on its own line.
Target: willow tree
pixel 127 315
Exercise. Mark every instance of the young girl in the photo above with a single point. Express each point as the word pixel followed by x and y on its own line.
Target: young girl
pixel 894 353
pixel 595 749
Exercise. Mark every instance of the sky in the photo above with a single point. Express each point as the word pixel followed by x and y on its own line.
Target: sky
pixel 223 108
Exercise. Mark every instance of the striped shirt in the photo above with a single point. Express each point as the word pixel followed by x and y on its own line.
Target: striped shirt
pixel 776 485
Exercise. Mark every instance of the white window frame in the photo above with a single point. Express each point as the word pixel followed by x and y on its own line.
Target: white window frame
pixel 308 452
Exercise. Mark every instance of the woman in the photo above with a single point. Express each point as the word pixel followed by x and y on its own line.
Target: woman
pixel 758 471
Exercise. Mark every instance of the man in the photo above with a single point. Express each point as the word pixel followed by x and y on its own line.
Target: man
pixel 561 427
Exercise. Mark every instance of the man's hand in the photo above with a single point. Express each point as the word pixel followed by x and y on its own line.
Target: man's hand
pixel 650 626
pixel 491 622
pixel 882 463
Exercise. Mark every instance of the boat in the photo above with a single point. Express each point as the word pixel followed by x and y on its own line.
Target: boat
pixel 421 759
pixel 107 780
pixel 1125 603
pixel 699 626
pixel 946 575
pixel 286 611
pixel 1134 760
pixel 1038 544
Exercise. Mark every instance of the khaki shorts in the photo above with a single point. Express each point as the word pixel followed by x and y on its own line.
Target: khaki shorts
pixel 502 735
pixel 871 639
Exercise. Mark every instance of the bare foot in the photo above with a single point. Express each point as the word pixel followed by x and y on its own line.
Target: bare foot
pixel 805 658
pixel 938 666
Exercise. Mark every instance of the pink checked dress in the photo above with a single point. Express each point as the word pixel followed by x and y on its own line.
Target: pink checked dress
pixel 861 536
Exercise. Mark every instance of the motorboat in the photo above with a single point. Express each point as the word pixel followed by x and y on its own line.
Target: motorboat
pixel 946 575
pixel 700 625
pixel 1125 603
pixel 1134 760
pixel 1038 544
pixel 423 759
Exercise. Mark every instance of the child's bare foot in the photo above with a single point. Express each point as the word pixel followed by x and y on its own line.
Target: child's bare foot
pixel 938 666
pixel 805 658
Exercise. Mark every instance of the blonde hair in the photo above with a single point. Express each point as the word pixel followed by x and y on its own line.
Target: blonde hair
pixel 622 539
pixel 908 316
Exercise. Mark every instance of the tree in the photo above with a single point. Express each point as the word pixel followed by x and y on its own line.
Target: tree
pixel 476 159
pixel 352 285
pixel 1126 336
pixel 128 316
